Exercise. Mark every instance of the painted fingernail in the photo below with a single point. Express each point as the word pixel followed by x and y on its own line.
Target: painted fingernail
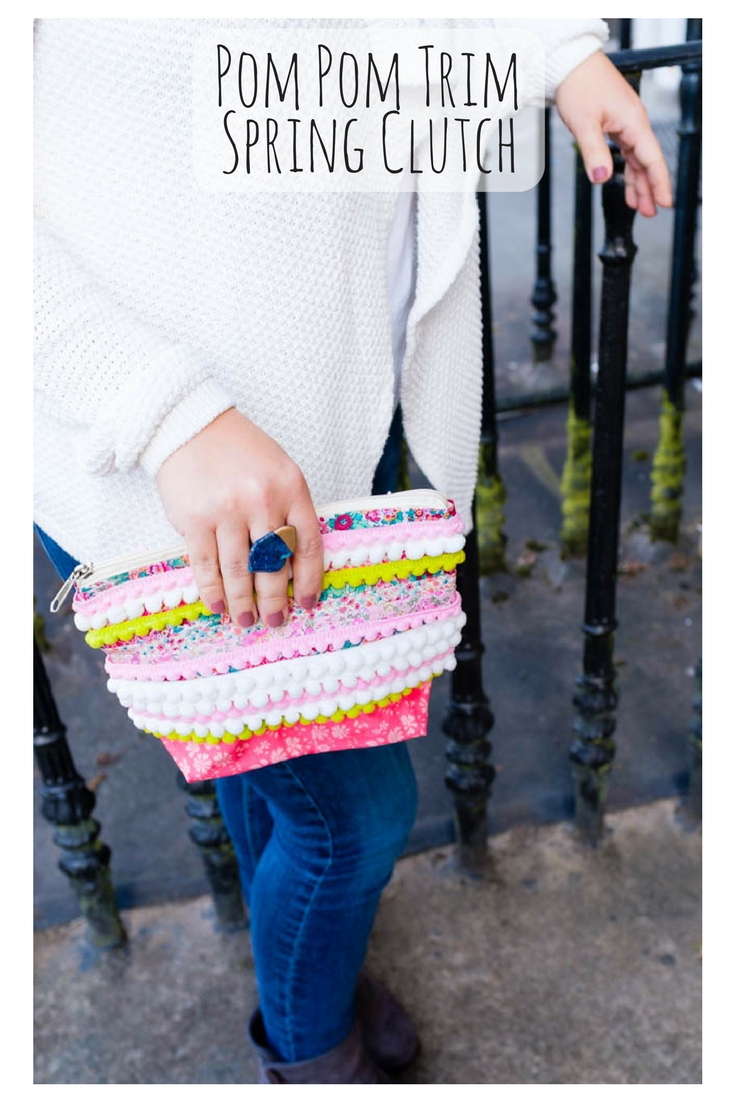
pixel 274 619
pixel 246 619
pixel 218 607
pixel 309 602
pixel 599 174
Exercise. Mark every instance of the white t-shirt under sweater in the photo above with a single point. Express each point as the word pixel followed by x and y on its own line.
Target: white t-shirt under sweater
pixel 401 252
pixel 159 305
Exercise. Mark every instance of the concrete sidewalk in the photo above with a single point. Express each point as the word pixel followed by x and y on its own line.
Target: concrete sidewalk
pixel 563 965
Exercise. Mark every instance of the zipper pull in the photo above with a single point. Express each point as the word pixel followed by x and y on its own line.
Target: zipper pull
pixel 82 570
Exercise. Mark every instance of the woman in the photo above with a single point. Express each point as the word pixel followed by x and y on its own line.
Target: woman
pixel 212 365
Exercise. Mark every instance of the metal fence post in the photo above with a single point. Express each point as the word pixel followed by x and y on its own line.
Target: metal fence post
pixel 489 490
pixel 593 750
pixel 577 474
pixel 543 297
pixel 669 462
pixel 68 804
pixel 468 722
pixel 209 834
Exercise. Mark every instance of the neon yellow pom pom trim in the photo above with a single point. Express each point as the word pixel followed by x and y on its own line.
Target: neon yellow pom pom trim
pixel 352 576
pixel 387 571
pixel 337 717
pixel 142 625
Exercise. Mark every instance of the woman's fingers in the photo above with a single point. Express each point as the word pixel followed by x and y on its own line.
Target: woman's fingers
pixel 631 193
pixel 220 564
pixel 643 182
pixel 234 548
pixel 593 148
pixel 642 146
pixel 272 597
pixel 306 565
pixel 308 561
pixel 271 590
pixel 225 488
pixel 201 544
pixel 645 203
pixel 646 174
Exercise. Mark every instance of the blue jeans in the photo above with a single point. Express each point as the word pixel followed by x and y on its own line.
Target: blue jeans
pixel 316 841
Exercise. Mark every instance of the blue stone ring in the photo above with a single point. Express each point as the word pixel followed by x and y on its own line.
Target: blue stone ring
pixel 272 551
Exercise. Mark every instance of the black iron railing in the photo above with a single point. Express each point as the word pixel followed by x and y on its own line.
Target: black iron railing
pixel 591 482
pixel 68 802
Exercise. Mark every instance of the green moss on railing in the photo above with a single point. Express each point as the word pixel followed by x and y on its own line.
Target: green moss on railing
pixel 576 483
pixel 39 630
pixel 490 516
pixel 667 475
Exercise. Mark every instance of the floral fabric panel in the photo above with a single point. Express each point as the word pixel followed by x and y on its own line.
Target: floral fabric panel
pixel 330 623
pixel 371 518
pixel 201 761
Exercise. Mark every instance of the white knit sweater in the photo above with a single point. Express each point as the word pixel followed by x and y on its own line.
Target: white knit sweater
pixel 159 305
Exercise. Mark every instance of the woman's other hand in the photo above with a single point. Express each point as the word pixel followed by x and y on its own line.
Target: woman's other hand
pixel 226 487
pixel 595 100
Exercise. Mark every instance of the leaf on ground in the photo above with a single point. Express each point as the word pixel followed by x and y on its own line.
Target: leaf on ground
pixel 107 758
pixel 679 562
pixel 525 563
pixel 96 781
pixel 630 568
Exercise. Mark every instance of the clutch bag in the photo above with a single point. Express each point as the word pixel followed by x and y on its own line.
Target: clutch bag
pixel 354 671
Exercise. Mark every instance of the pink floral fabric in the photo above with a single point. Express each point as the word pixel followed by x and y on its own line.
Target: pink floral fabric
pixel 406 719
pixel 370 518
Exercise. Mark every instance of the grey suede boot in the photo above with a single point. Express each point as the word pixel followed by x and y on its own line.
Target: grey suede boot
pixel 386 1032
pixel 347 1063
pixel 389 1035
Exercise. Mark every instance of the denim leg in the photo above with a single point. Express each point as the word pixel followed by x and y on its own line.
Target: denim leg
pixel 61 560
pixel 386 473
pixel 313 883
pixel 248 823
pixel 245 813
pixel 340 821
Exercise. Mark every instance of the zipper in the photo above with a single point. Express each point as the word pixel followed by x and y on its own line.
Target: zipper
pixel 404 498
pixel 81 570
pixel 409 498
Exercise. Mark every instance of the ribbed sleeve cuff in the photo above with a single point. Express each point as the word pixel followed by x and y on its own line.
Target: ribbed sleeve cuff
pixel 192 414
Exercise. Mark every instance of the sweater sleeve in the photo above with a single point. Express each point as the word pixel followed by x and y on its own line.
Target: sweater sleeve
pixel 567 43
pixel 135 394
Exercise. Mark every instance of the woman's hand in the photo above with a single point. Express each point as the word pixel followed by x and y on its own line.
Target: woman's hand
pixel 595 100
pixel 226 487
